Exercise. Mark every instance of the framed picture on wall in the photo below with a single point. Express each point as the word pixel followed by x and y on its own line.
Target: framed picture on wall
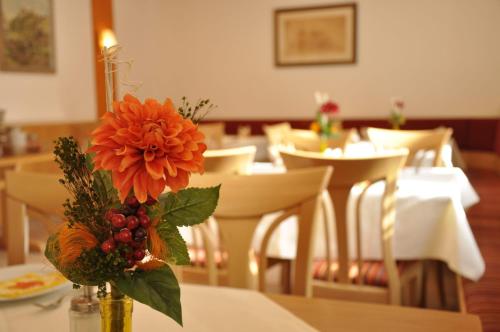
pixel 315 35
pixel 27 36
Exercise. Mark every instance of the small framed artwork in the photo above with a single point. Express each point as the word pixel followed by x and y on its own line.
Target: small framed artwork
pixel 27 36
pixel 315 35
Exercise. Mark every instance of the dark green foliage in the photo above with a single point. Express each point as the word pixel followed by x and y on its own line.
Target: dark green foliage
pixel 92 193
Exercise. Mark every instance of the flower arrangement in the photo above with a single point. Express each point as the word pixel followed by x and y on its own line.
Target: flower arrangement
pixel 396 116
pixel 327 123
pixel 121 224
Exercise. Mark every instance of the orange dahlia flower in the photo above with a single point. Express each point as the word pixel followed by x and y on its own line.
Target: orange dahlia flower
pixel 147 147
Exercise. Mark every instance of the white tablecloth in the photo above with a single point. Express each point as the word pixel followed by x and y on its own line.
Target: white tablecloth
pixel 451 153
pixel 205 309
pixel 430 221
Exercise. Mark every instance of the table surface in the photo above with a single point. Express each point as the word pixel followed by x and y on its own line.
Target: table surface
pixel 207 309
pixel 329 315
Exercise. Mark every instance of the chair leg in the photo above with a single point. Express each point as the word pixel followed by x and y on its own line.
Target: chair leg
pixel 442 291
pixel 462 306
pixel 419 285
pixel 286 270
pixel 412 286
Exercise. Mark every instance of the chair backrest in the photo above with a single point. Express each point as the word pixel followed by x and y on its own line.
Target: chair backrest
pixel 48 133
pixel 28 190
pixel 413 140
pixel 308 140
pixel 349 172
pixel 277 134
pixel 244 199
pixel 234 160
pixel 214 134
pixel 43 163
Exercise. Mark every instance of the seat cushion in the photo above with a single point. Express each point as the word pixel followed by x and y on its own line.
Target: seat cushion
pixel 373 272
pixel 198 257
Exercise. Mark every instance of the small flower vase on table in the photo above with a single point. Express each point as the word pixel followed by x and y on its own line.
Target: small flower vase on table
pixel 127 198
pixel 396 116
pixel 116 312
pixel 327 124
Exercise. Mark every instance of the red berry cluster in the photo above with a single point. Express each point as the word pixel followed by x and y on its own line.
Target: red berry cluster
pixel 129 230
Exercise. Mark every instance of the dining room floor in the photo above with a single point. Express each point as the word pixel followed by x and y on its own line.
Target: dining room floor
pixel 483 297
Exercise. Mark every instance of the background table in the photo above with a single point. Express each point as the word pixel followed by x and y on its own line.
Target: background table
pixel 223 309
pixel 430 222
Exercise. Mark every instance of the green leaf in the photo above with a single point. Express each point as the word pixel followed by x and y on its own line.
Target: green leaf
pixel 177 252
pixel 157 288
pixel 89 161
pixel 105 183
pixel 52 249
pixel 190 206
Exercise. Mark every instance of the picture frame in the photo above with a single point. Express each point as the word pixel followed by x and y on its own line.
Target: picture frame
pixel 320 35
pixel 27 36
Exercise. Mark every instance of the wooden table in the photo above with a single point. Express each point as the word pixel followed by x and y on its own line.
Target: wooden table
pixel 329 315
pixel 210 309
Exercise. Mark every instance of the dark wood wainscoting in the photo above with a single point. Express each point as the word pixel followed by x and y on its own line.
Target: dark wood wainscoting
pixel 481 134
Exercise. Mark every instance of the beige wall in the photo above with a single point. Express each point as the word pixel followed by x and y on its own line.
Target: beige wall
pixel 67 95
pixel 442 56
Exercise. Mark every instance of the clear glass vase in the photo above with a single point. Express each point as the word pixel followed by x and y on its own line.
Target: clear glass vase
pixel 323 143
pixel 116 313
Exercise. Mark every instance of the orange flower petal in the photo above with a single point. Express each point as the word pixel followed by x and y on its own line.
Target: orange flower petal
pixel 140 186
pixel 179 182
pixel 155 169
pixel 147 147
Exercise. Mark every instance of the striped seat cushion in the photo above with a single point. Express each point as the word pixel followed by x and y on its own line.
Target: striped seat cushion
pixel 372 272
pixel 198 257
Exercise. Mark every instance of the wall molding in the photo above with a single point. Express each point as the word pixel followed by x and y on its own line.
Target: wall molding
pixel 478 134
pixel 488 161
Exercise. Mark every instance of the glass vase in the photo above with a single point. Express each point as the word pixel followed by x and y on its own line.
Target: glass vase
pixel 116 312
pixel 323 143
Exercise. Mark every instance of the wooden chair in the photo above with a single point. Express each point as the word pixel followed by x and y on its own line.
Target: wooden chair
pixel 214 134
pixel 30 191
pixel 230 161
pixel 348 173
pixel 235 160
pixel 277 134
pixel 308 140
pixel 244 199
pixel 39 162
pixel 47 133
pixel 414 140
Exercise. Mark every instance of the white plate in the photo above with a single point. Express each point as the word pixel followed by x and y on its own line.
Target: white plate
pixel 19 270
